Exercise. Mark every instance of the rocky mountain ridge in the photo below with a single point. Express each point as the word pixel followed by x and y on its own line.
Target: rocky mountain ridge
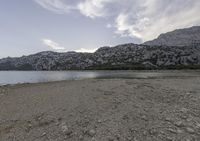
pixel 180 37
pixel 170 51
pixel 128 56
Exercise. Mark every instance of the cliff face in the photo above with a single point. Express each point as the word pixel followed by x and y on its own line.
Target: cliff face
pixel 127 56
pixel 180 37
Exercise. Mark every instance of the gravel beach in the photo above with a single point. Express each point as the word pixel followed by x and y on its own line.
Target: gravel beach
pixel 160 109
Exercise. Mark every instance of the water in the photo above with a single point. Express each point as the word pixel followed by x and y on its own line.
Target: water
pixel 15 77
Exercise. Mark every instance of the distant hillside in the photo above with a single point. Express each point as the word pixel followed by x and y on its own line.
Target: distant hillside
pixel 127 56
pixel 179 37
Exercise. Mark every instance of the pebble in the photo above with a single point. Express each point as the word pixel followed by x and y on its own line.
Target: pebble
pixel 172 130
pixel 179 131
pixel 179 123
pixel 92 132
pixel 152 131
pixel 81 137
pixel 190 118
pixel 29 125
pixel 44 134
pixel 66 130
pixel 184 116
pixel 190 130
pixel 184 110
pixel 144 118
pixel 99 121
pixel 188 93
pixel 198 125
pixel 167 119
pixel 145 133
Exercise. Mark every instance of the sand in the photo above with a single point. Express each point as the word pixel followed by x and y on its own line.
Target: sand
pixel 102 110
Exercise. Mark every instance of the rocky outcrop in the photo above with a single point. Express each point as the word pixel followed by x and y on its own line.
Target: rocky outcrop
pixel 180 37
pixel 127 56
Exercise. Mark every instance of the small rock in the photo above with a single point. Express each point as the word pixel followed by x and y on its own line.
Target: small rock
pixel 145 133
pixel 167 119
pixel 99 121
pixel 172 130
pixel 81 137
pixel 29 125
pixel 152 131
pixel 129 138
pixel 44 134
pixel 66 130
pixel 57 123
pixel 184 116
pixel 190 130
pixel 179 123
pixel 162 132
pixel 188 93
pixel 179 131
pixel 198 125
pixel 92 132
pixel 144 118
pixel 184 110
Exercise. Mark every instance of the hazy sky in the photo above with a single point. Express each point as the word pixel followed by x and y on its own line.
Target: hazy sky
pixel 30 26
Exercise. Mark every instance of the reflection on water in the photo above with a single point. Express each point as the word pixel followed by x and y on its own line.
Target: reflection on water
pixel 14 77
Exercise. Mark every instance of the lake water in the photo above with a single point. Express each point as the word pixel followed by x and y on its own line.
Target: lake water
pixel 15 77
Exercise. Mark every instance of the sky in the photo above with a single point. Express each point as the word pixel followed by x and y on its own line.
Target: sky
pixel 31 26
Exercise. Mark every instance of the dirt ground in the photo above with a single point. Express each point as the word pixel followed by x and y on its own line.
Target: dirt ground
pixel 159 109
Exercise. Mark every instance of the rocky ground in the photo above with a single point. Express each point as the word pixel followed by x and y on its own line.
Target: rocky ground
pixel 102 110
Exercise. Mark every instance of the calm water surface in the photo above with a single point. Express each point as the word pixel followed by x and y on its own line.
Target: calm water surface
pixel 15 77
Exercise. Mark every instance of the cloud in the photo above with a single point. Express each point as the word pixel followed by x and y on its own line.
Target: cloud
pixel 86 50
pixel 58 6
pixel 155 17
pixel 53 45
pixel 142 19
pixel 93 8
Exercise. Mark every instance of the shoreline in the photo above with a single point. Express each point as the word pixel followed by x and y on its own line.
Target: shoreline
pixel 104 74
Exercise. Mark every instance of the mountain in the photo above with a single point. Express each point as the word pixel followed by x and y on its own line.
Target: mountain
pixel 127 56
pixel 181 37
pixel 179 49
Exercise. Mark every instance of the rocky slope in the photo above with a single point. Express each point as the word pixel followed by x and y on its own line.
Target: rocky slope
pixel 128 56
pixel 173 50
pixel 180 37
